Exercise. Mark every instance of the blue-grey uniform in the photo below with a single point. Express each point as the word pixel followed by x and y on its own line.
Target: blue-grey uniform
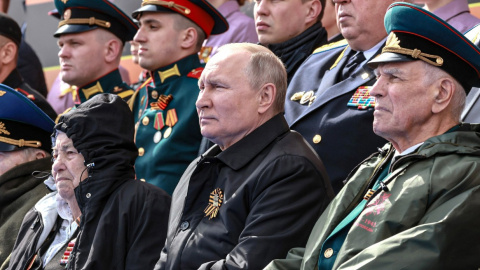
pixel 335 118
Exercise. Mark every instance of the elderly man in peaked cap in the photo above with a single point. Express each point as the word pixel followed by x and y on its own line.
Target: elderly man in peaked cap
pixel 91 36
pixel 24 149
pixel 412 205
pixel 168 135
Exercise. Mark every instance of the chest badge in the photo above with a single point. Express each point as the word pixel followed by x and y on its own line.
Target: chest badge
pixel 214 203
pixel 362 99
pixel 304 97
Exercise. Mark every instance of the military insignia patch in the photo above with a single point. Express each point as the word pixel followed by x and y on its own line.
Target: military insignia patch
pixel 304 97
pixel 3 129
pixel 195 73
pixel 204 54
pixel 2 93
pixel 214 203
pixel 362 99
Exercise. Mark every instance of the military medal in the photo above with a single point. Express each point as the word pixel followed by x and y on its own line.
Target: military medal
pixel 171 120
pixel 304 97
pixel 67 253
pixel 158 125
pixel 362 98
pixel 214 203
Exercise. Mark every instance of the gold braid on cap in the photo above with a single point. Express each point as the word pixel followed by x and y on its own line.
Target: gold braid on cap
pixel 21 142
pixel 393 45
pixel 89 21
pixel 169 4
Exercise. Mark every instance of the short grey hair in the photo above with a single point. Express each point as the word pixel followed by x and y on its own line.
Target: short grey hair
pixel 263 67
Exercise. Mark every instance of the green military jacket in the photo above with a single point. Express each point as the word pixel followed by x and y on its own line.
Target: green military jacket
pixel 110 83
pixel 167 128
pixel 425 218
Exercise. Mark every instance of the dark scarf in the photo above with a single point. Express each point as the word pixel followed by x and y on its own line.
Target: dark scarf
pixel 294 51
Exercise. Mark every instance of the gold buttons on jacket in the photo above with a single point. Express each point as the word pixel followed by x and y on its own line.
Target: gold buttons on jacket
pixel 145 121
pixel 154 94
pixel 328 253
pixel 317 138
pixel 141 151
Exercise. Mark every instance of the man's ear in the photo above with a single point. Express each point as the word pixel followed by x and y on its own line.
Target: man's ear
pixel 113 48
pixel 314 9
pixel 443 96
pixel 189 38
pixel 8 53
pixel 39 154
pixel 266 97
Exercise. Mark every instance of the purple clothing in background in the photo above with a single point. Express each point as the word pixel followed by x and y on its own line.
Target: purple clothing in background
pixel 457 14
pixel 242 29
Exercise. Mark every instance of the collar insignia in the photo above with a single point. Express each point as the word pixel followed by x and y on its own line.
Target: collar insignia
pixel 214 203
pixel 169 73
pixel 88 92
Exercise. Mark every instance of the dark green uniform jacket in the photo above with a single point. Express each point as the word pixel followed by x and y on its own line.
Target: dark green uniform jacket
pixel 110 83
pixel 425 218
pixel 168 133
pixel 19 191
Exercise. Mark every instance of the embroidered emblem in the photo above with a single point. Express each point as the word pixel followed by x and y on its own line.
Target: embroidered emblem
pixel 362 99
pixel 214 203
pixel 88 92
pixel 195 73
pixel 2 93
pixel 169 73
pixel 3 129
pixel 393 45
pixel 304 97
pixel 374 208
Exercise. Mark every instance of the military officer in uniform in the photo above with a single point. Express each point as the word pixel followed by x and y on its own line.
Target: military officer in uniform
pixel 168 135
pixel 91 35
pixel 10 38
pixel 328 99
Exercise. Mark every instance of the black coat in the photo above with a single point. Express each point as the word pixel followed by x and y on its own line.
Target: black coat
pixel 346 132
pixel 124 221
pixel 274 188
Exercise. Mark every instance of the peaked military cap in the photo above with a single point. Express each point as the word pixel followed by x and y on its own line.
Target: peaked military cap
pixel 10 29
pixel 416 34
pixel 22 123
pixel 83 15
pixel 200 12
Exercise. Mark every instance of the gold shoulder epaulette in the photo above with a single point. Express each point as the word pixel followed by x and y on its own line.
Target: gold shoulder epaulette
pixel 473 34
pixel 329 46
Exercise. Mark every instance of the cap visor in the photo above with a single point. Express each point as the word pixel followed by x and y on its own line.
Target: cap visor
pixel 388 57
pixel 73 28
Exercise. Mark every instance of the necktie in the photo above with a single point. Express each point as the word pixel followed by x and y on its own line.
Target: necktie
pixel 352 64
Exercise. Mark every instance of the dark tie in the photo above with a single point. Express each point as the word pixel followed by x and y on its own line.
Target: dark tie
pixel 354 60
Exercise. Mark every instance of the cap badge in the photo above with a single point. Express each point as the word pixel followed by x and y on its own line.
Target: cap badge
pixel 3 129
pixel 393 45
pixel 214 203
pixel 64 1
pixel 2 93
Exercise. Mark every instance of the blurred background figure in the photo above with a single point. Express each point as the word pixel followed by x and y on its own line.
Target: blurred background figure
pixel 329 22
pixel 241 28
pixel 455 12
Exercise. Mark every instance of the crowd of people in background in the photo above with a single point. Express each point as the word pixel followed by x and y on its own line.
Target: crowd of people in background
pixel 291 134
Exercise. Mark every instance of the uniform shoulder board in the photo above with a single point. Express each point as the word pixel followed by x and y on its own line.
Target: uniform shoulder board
pixel 474 34
pixel 329 46
pixel 195 73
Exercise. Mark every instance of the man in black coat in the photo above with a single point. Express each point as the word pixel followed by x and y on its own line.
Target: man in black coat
pixel 252 196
